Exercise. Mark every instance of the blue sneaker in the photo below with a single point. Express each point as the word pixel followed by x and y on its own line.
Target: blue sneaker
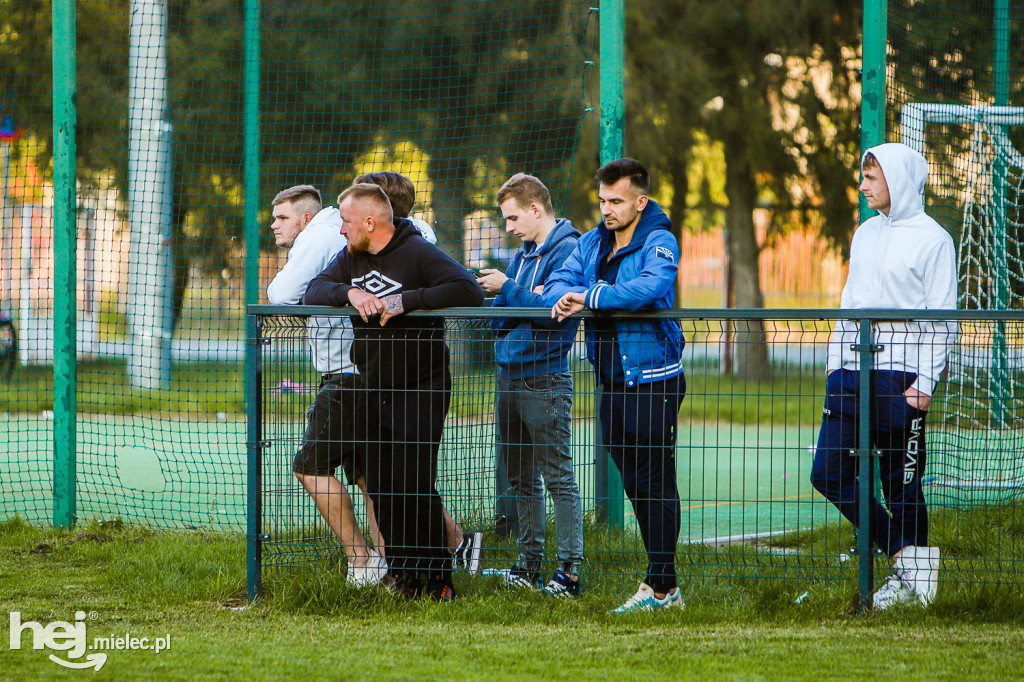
pixel 523 579
pixel 562 586
pixel 644 600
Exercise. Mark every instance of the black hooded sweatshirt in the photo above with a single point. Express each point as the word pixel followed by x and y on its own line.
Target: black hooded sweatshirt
pixel 408 351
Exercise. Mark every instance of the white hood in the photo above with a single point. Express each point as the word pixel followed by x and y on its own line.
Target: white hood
pixel 903 261
pixel 905 172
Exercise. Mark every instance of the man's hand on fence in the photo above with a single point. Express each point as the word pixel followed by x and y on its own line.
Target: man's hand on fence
pixel 568 305
pixel 393 308
pixel 491 280
pixel 918 399
pixel 368 305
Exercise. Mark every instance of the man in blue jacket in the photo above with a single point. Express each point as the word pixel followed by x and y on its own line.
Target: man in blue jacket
pixel 628 263
pixel 534 399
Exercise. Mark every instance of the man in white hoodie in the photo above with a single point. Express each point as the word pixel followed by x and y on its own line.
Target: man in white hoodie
pixel 900 259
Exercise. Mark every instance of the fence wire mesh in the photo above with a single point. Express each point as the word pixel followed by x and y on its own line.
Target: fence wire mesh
pixel 739 502
pixel 455 95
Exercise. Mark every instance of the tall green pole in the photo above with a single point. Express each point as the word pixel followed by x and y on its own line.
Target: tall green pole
pixel 866 455
pixel 1000 354
pixel 873 93
pixel 612 25
pixel 613 43
pixel 251 180
pixel 1002 52
pixel 65 258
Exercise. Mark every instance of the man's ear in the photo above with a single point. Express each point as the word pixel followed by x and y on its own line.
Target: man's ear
pixel 641 203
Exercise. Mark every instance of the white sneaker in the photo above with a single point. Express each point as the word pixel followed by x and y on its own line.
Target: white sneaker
pixel 919 567
pixel 914 578
pixel 467 554
pixel 370 574
pixel 894 592
pixel 644 600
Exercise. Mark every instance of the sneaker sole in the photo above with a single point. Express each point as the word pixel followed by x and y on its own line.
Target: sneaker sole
pixel 473 560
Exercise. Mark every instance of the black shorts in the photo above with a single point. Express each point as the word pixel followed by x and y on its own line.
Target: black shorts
pixel 330 440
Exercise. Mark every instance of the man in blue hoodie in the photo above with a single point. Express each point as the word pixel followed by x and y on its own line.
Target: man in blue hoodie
pixel 534 399
pixel 628 263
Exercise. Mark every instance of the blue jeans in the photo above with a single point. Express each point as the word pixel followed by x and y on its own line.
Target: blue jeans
pixel 898 433
pixel 533 420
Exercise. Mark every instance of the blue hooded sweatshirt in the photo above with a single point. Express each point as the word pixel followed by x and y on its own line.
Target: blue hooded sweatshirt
pixel 650 349
pixel 532 347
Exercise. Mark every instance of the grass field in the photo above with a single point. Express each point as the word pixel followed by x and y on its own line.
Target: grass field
pixel 189 585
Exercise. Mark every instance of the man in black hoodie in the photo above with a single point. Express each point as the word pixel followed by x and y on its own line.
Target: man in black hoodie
pixel 386 270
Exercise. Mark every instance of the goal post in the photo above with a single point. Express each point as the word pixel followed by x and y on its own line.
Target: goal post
pixel 980 176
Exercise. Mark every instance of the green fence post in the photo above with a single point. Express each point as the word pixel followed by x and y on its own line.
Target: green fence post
pixel 612 25
pixel 251 140
pixel 866 456
pixel 872 106
pixel 1000 356
pixel 65 258
pixel 254 461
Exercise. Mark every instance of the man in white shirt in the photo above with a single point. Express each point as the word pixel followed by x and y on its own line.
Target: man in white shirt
pixel 900 259
pixel 313 236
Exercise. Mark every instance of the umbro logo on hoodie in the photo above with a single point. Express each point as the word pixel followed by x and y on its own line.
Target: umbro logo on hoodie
pixel 377 284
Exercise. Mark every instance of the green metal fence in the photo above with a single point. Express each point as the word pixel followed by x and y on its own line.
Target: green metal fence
pixel 952 90
pixel 743 455
pixel 170 126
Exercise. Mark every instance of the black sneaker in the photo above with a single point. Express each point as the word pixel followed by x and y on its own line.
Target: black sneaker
pixel 440 588
pixel 467 554
pixel 523 579
pixel 562 585
pixel 407 585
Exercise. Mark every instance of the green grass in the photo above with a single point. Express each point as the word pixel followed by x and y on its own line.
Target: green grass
pixel 793 396
pixel 196 387
pixel 186 584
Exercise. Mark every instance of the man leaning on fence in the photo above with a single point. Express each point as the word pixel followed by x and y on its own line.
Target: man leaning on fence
pixel 534 398
pixel 466 546
pixel 629 263
pixel 312 235
pixel 387 270
pixel 899 259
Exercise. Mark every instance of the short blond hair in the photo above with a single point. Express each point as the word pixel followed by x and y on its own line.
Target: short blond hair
pixel 305 198
pixel 372 193
pixel 526 190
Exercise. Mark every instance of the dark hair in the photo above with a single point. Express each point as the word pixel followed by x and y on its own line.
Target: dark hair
pixel 613 171
pixel 869 161
pixel 374 193
pixel 526 190
pixel 400 190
